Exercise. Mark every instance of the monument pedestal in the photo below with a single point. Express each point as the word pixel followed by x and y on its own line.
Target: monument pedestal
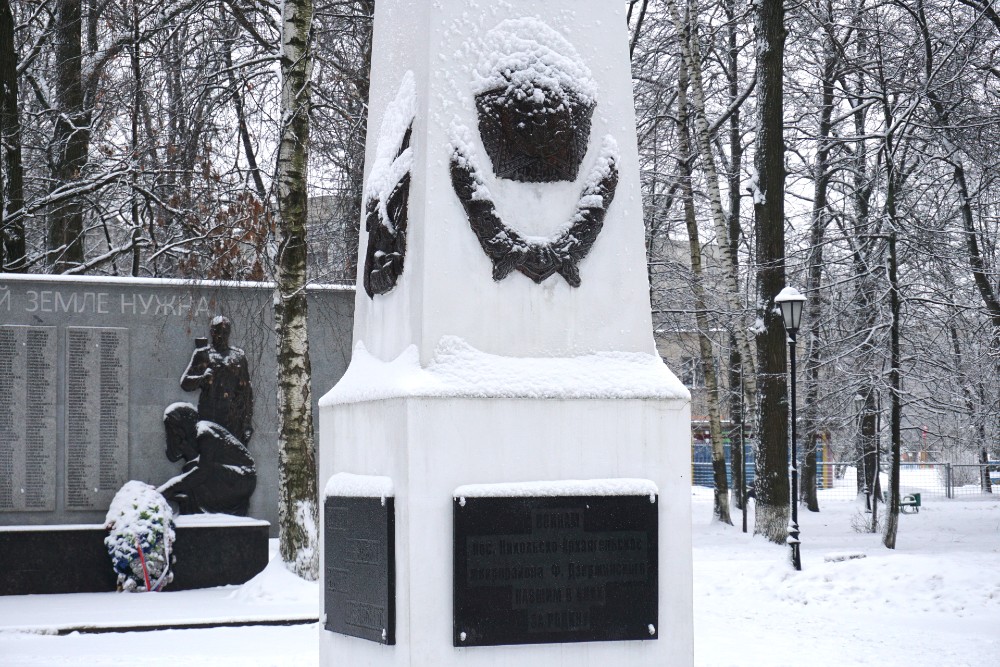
pixel 432 444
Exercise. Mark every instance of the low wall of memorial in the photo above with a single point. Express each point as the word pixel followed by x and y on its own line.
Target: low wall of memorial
pixel 89 364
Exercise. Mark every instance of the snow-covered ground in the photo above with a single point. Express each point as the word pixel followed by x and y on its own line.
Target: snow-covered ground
pixel 933 601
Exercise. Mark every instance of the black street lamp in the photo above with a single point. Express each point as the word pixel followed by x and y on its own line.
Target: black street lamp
pixel 859 403
pixel 791 302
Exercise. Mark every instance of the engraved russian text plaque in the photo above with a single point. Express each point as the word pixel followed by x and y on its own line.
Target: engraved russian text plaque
pixel 97 388
pixel 360 595
pixel 538 570
pixel 27 418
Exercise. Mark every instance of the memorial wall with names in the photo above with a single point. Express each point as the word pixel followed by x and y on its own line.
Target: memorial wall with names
pixel 27 418
pixel 88 365
pixel 97 383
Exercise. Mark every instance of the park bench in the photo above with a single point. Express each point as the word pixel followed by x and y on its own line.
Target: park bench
pixel 910 500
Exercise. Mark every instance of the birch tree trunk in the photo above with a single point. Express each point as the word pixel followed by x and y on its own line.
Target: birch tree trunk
pixel 721 506
pixel 297 509
pixel 691 61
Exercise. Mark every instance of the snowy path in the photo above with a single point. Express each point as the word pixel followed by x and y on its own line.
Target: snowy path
pixel 934 601
pixel 273 596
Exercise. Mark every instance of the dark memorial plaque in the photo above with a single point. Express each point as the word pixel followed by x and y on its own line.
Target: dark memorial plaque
pixel 360 594
pixel 537 570
pixel 97 371
pixel 27 418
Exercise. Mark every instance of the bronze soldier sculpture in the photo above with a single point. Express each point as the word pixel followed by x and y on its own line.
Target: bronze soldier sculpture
pixel 219 474
pixel 222 375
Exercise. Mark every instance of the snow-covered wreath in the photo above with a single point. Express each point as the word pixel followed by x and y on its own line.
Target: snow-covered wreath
pixel 140 539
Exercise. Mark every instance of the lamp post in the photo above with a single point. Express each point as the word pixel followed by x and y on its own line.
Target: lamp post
pixel 859 403
pixel 877 446
pixel 791 302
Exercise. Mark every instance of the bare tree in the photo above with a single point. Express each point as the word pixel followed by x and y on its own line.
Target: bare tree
pixel 769 225
pixel 12 248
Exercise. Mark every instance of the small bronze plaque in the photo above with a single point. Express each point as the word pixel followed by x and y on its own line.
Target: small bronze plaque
pixel 543 570
pixel 360 574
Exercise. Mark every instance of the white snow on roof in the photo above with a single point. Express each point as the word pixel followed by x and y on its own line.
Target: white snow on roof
pixel 569 487
pixel 359 486
pixel 153 282
pixel 459 370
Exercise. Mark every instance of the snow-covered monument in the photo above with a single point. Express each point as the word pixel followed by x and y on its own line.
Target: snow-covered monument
pixel 506 461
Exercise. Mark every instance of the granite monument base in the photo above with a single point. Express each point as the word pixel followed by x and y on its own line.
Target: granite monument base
pixel 211 550
pixel 431 446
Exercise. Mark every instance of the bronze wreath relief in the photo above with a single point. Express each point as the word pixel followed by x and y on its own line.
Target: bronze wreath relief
pixel 508 249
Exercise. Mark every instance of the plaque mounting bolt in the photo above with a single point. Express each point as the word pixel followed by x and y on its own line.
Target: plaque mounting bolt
pixel 652 629
pixel 462 636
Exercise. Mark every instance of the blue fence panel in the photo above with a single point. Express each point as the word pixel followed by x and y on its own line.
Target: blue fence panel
pixel 701 458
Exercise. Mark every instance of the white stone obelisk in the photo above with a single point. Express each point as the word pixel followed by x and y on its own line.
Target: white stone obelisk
pixel 463 374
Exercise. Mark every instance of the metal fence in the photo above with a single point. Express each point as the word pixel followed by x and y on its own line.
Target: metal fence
pixel 930 480
pixel 839 481
pixel 702 473
pixel 966 479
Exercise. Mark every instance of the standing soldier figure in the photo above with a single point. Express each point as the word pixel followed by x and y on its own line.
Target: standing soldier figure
pixel 222 375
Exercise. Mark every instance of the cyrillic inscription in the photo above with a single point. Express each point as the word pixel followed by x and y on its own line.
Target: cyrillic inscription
pixel 86 302
pixel 359 597
pixel 97 364
pixel 555 569
pixel 27 418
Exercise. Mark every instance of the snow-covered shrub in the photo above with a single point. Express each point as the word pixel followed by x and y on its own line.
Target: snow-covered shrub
pixel 861 522
pixel 140 539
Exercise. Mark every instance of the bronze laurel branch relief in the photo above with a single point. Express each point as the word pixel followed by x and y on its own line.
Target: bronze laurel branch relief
pixel 387 192
pixel 387 232
pixel 508 249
